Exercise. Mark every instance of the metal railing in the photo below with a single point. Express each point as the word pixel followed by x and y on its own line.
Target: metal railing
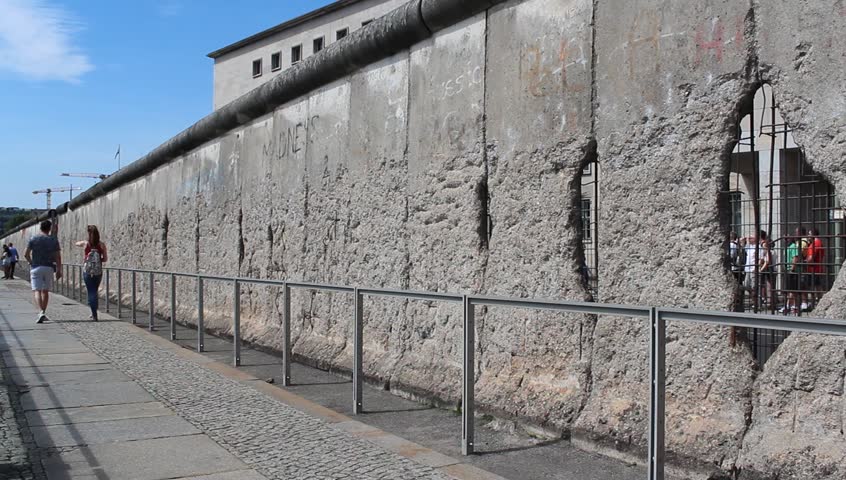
pixel 656 317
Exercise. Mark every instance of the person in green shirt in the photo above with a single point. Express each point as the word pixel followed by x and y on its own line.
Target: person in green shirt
pixel 794 256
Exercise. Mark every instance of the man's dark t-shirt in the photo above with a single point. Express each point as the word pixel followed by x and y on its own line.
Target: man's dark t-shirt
pixel 44 249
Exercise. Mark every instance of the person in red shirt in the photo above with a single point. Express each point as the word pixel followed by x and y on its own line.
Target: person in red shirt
pixel 95 257
pixel 815 259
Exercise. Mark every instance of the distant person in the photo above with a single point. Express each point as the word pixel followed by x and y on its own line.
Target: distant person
pixel 92 267
pixel 737 263
pixel 765 263
pixel 793 276
pixel 751 264
pixel 54 218
pixel 14 252
pixel 737 256
pixel 815 258
pixel 6 261
pixel 44 255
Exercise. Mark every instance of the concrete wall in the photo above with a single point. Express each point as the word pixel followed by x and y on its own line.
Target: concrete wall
pixel 387 177
pixel 233 72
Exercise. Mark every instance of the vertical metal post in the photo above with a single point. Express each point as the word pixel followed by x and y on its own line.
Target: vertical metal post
pixel 107 290
pixel 172 306
pixel 75 290
pixel 770 237
pixel 82 288
pixel 286 335
pixel 134 318
pixel 236 328
pixel 468 403
pixel 756 212
pixel 200 327
pixel 657 344
pixel 358 352
pixel 119 292
pixel 152 303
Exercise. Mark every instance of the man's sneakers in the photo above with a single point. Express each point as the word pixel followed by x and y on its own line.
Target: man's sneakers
pixel 42 317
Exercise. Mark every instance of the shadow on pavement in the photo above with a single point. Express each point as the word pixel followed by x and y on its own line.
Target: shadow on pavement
pixel 35 453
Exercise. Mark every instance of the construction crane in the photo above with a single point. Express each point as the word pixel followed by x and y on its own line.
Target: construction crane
pixel 101 176
pixel 51 191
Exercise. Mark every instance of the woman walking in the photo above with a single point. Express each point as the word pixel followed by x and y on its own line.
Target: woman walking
pixel 92 269
pixel 6 261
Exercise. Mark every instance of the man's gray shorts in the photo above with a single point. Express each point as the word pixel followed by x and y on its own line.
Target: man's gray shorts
pixel 41 278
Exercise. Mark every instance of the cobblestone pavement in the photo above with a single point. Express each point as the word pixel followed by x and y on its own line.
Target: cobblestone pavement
pixel 271 437
pixel 19 458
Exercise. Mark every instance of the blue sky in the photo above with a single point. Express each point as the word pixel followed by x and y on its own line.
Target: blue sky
pixel 79 77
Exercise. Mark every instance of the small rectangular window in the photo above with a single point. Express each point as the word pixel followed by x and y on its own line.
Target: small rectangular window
pixel 317 45
pixel 366 22
pixel 296 54
pixel 341 33
pixel 586 220
pixel 276 61
pixel 257 68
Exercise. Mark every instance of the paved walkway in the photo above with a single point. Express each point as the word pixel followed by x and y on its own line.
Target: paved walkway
pixel 107 400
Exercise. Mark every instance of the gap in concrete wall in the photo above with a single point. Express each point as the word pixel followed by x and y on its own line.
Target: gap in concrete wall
pixel 587 208
pixel 165 231
pixel 484 226
pixel 782 213
pixel 270 245
pixel 240 237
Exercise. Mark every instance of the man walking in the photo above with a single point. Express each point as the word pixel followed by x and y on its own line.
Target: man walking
pixel 45 259
pixel 14 253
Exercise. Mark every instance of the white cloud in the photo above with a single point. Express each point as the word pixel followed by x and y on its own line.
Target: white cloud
pixel 36 41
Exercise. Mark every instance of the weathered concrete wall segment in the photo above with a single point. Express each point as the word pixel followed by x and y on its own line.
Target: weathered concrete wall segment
pixel 388 177
pixel 801 50
pixel 669 79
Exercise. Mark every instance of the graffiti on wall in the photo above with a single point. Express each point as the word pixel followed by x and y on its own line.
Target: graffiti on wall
pixel 291 139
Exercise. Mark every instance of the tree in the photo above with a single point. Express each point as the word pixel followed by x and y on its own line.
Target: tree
pixel 15 221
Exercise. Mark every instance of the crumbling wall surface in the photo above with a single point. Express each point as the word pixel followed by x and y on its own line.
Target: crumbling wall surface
pixel 535 365
pixel 375 233
pixel 253 248
pixel 455 166
pixel 445 166
pixel 182 233
pixel 796 427
pixel 669 78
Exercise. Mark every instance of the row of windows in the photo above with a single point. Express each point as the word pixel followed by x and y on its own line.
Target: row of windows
pixel 297 52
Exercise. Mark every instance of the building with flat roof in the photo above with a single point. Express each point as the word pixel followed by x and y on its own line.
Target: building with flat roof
pixel 248 63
